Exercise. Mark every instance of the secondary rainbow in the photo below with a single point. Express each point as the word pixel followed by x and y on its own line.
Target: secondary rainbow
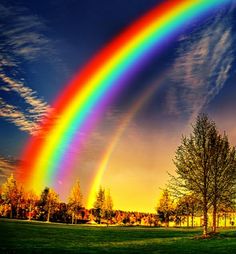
pixel 96 83
pixel 118 133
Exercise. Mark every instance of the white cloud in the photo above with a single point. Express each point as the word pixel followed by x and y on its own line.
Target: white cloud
pixel 22 40
pixel 28 119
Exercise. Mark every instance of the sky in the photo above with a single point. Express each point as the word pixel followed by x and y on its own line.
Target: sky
pixel 43 44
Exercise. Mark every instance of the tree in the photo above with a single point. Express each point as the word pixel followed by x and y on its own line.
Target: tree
pixel 223 210
pixel 108 206
pixel 30 200
pixel 49 201
pixel 165 208
pixel 187 206
pixel 11 195
pixel 75 201
pixel 99 204
pixel 196 166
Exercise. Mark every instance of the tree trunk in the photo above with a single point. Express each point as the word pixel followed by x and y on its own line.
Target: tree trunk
pixel 167 222
pixel 225 219
pixel 187 220
pixel 192 220
pixel 218 220
pixel 72 218
pixel 11 214
pixel 205 221
pixel 49 211
pixel 30 211
pixel 214 219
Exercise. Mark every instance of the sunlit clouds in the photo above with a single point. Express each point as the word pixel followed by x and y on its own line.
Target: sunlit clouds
pixel 7 166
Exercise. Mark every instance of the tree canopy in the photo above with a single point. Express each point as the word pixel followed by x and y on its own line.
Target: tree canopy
pixel 206 167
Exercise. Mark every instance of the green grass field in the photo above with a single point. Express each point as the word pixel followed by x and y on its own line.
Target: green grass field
pixel 36 237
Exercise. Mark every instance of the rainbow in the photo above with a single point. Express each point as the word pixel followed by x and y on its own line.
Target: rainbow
pixel 46 155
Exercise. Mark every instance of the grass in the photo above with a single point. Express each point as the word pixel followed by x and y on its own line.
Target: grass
pixel 38 237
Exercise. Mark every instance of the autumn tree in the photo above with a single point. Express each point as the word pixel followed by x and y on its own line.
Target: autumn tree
pixel 196 166
pixel 11 194
pixel 165 208
pixel 49 201
pixel 75 201
pixel 108 206
pixel 99 204
pixel 30 201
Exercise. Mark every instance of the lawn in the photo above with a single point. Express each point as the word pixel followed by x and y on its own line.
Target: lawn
pixel 36 237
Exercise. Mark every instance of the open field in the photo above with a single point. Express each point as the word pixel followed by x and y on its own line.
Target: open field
pixel 36 237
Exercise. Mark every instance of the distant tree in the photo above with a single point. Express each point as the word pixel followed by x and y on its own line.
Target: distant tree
pixel 108 206
pixel 165 208
pixel 11 194
pixel 75 201
pixel 223 176
pixel 196 169
pixel 99 204
pixel 187 206
pixel 223 210
pixel 49 201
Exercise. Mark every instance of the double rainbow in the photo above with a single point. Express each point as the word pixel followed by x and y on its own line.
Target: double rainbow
pixel 46 154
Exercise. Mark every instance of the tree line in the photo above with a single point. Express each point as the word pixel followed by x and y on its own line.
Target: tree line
pixel 204 182
pixel 16 203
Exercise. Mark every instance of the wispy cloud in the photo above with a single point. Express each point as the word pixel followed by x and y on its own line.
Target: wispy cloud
pixel 22 35
pixel 21 40
pixel 26 119
pixel 202 67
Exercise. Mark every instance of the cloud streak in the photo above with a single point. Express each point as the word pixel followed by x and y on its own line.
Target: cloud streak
pixel 27 119
pixel 22 35
pixel 202 68
pixel 21 40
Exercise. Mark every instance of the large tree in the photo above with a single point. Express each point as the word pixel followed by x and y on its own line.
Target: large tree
pixel 205 166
